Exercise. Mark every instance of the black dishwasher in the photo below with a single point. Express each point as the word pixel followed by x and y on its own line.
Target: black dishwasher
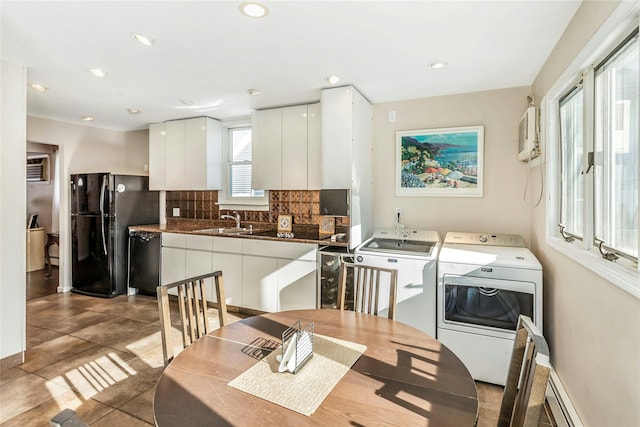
pixel 144 261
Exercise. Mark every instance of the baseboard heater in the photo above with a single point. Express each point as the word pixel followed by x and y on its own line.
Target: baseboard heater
pixel 562 409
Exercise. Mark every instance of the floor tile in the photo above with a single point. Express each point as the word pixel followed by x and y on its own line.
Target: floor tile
pixel 116 332
pixel 89 411
pixel 37 335
pixel 11 374
pixel 52 351
pixel 119 418
pixel 25 393
pixel 141 406
pixel 89 371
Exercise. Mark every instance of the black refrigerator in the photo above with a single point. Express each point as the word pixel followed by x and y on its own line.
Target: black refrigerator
pixel 103 206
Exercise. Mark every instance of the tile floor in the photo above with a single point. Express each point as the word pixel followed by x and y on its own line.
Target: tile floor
pixel 102 358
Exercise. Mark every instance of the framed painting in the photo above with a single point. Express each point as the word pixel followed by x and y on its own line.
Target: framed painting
pixel 440 162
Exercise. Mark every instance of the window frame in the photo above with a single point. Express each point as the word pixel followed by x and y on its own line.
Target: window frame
pixel 623 273
pixel 225 199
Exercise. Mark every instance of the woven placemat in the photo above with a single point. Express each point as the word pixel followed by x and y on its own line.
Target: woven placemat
pixel 304 391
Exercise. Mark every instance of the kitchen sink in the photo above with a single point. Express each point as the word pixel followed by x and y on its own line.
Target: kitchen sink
pixel 222 230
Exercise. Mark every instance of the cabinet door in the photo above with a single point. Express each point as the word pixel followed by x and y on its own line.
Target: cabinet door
pixel 267 149
pixel 195 155
pixel 175 155
pixel 172 267
pixel 198 263
pixel 157 157
pixel 294 147
pixel 231 267
pixel 259 283
pixel 314 148
pixel 336 104
pixel 296 284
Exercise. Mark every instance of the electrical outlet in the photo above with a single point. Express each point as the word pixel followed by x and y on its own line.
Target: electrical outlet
pixel 398 212
pixel 176 211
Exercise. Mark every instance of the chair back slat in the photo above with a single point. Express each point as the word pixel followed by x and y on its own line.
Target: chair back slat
pixel 192 306
pixel 367 285
pixel 527 378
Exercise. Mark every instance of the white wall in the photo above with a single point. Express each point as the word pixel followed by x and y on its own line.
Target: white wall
pixel 502 209
pixel 13 154
pixel 85 149
pixel 592 326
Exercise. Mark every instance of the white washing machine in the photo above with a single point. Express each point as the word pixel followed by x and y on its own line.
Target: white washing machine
pixel 485 281
pixel 414 254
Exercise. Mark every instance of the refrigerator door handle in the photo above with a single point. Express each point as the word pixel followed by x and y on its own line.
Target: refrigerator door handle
pixel 102 191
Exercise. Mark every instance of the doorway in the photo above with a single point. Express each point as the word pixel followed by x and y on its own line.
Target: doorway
pixel 43 202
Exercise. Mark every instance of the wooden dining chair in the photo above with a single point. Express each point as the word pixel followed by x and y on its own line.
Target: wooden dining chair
pixel 366 288
pixel 192 303
pixel 524 393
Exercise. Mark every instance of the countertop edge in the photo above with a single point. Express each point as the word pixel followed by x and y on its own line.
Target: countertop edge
pixel 157 228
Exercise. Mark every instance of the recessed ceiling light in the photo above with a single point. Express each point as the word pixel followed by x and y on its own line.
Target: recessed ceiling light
pixel 39 87
pixel 88 118
pixel 254 92
pixel 332 79
pixel 254 10
pixel 143 39
pixel 133 111
pixel 98 72
pixel 436 65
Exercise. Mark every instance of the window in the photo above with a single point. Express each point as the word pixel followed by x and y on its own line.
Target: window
pixel 597 135
pixel 571 155
pixel 238 191
pixel 615 174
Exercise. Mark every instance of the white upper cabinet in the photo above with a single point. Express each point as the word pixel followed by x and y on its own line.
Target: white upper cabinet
pixel 157 157
pixel 346 137
pixel 283 140
pixel 347 155
pixel 314 148
pixel 186 155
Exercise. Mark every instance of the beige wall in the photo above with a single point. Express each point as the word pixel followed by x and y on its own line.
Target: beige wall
pixel 86 149
pixel 137 152
pixel 592 326
pixel 40 195
pixel 502 209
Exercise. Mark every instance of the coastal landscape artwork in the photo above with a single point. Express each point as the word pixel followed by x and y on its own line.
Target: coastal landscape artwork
pixel 440 162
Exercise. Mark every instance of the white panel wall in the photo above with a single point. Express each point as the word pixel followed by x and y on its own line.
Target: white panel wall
pixel 13 152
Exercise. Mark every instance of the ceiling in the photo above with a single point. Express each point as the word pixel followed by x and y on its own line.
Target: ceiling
pixel 209 54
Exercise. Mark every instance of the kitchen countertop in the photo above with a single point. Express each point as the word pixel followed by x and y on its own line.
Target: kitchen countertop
pixel 260 232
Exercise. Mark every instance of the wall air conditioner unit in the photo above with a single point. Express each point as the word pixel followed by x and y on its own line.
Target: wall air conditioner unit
pixel 527 135
pixel 37 168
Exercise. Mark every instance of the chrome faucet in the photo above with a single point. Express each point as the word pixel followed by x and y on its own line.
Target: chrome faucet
pixel 236 218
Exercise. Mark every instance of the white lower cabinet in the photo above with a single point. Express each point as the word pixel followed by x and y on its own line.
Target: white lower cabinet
pixel 283 280
pixel 259 283
pixel 258 274
pixel 296 284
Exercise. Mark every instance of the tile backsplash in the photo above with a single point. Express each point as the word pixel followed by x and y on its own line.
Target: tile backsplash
pixel 302 205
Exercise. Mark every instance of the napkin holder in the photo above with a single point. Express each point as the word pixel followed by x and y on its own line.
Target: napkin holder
pixel 297 347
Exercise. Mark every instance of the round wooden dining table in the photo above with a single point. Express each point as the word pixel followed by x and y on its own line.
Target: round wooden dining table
pixel 404 377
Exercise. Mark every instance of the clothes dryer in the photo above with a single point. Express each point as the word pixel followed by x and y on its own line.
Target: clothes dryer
pixel 485 281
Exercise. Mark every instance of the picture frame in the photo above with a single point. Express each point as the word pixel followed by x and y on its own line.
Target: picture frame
pixel 285 223
pixel 440 162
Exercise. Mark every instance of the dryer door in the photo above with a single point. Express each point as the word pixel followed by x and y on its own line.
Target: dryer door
pixel 486 303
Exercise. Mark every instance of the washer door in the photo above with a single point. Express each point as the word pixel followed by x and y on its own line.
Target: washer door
pixel 491 303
